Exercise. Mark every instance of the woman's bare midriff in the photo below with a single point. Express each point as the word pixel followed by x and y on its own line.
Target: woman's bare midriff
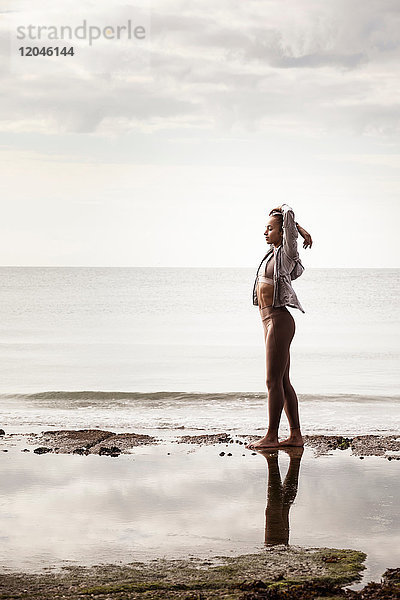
pixel 265 294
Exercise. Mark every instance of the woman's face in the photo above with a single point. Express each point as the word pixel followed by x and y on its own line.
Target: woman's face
pixel 272 233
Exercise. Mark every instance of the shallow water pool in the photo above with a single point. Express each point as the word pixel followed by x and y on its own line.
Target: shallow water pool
pixel 175 500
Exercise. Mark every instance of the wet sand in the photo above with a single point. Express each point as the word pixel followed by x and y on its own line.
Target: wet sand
pixel 289 572
pixel 96 441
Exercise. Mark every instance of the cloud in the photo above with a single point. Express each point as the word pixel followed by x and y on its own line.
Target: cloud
pixel 235 64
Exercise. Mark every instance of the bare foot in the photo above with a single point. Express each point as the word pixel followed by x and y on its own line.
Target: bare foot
pixel 295 439
pixel 265 442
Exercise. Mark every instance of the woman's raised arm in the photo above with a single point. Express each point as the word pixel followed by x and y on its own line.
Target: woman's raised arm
pixel 290 230
pixel 305 235
pixel 289 242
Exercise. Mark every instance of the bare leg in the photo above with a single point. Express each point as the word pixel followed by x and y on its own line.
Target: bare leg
pixel 291 407
pixel 279 334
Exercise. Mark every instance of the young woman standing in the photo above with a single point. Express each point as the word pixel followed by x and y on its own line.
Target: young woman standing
pixel 272 293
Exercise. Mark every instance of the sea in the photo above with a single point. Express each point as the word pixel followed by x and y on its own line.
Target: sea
pixel 174 351
pixel 139 349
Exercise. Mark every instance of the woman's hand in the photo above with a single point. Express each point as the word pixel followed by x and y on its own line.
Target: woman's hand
pixel 305 235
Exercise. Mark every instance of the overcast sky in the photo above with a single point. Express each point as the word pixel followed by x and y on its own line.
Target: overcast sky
pixel 171 151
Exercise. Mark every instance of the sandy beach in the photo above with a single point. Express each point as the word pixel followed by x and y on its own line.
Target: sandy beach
pixel 283 573
pixel 96 441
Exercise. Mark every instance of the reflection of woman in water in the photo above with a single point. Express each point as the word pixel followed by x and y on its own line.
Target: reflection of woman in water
pixel 280 496
pixel 272 292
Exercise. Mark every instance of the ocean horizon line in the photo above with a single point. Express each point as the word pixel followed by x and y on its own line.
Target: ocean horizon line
pixel 188 267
